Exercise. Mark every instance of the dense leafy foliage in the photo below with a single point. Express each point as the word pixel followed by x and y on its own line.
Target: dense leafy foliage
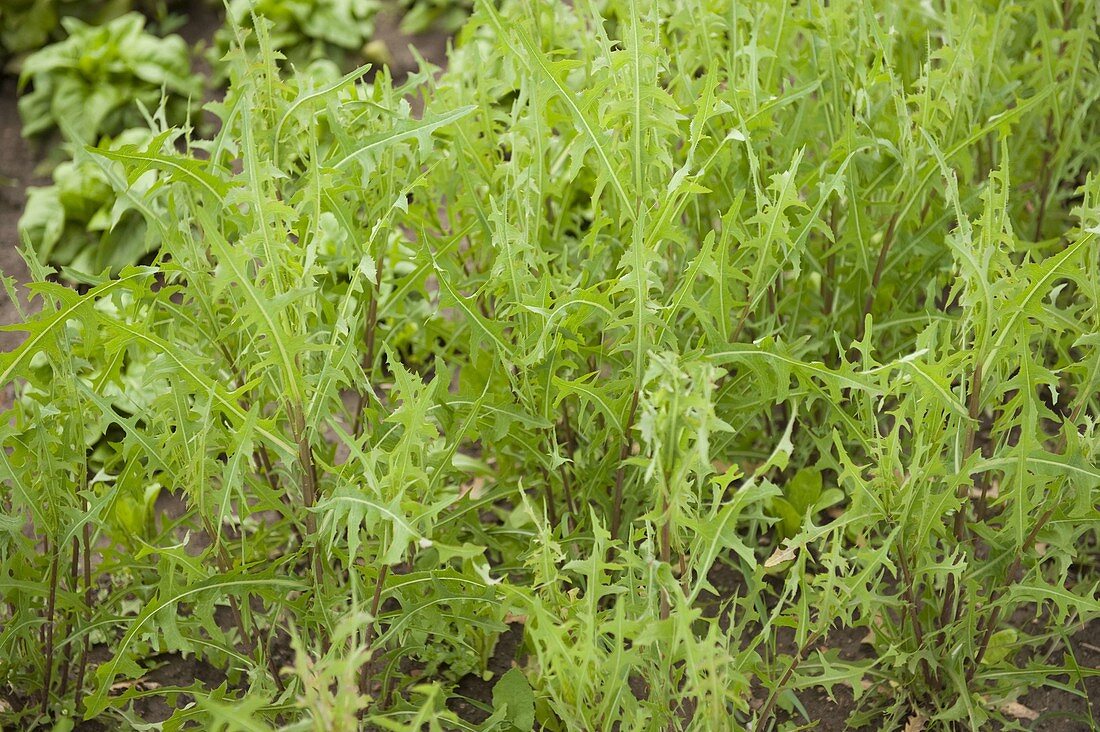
pixel 84 222
pixel 672 336
pixel 27 25
pixel 304 31
pixel 423 15
pixel 95 82
pixel 338 33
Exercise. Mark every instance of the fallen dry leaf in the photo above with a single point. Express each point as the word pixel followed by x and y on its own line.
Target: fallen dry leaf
pixel 475 488
pixel 138 684
pixel 916 723
pixel 992 490
pixel 780 555
pixel 1019 711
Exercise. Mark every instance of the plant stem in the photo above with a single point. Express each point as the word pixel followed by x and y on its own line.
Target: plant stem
pixel 370 330
pixel 1044 180
pixel 624 451
pixel 74 578
pixel 973 412
pixel 571 447
pixel 830 264
pixel 1048 153
pixel 89 597
pixel 263 465
pixel 914 607
pixel 963 496
pixel 766 711
pixel 947 612
pixel 880 267
pixel 308 477
pixel 376 602
pixel 741 320
pixel 666 552
pixel 221 557
pixel 551 508
pixel 1010 579
pixel 74 575
pixel 51 606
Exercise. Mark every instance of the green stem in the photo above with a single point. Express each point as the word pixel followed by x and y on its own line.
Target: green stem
pixel 913 606
pixel 376 602
pixel 1011 578
pixel 571 448
pixel 880 267
pixel 666 552
pixel 764 717
pixel 51 606
pixel 624 452
pixel 973 412
pixel 74 574
pixel 370 330
pixel 89 597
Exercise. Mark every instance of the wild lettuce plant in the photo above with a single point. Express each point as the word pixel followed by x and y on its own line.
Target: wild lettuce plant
pixel 669 338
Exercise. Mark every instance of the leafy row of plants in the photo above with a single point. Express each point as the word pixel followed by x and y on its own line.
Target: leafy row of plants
pixel 110 75
pixel 28 25
pixel 99 80
pixel 673 336
pixel 310 28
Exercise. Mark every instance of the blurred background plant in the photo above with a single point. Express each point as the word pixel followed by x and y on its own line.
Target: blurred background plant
pixel 88 220
pixel 100 79
pixel 27 25
pixel 303 31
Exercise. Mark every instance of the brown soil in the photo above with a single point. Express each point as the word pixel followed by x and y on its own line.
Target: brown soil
pixel 1059 710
